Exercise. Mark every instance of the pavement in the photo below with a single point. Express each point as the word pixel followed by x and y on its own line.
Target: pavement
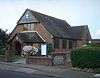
pixel 54 71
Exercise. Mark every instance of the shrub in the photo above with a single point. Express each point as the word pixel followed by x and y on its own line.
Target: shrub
pixel 49 48
pixel 3 41
pixel 86 57
pixel 2 51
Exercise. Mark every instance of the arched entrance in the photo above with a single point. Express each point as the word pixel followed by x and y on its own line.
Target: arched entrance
pixel 18 48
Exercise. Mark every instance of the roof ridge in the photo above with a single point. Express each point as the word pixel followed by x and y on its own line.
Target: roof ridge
pixel 80 26
pixel 48 15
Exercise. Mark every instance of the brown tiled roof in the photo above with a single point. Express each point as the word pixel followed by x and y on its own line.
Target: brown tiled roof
pixel 77 32
pixel 30 37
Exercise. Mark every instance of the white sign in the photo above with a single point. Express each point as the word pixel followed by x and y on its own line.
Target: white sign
pixel 43 49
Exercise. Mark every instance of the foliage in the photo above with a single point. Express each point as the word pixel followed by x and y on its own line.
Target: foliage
pixel 93 45
pixel 3 41
pixel 2 58
pixel 86 57
pixel 3 38
pixel 14 58
pixel 2 51
pixel 49 48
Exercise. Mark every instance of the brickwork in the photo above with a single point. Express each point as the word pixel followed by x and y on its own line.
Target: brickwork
pixel 43 32
pixel 39 60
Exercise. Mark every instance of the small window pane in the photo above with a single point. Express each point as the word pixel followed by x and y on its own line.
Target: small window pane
pixel 25 27
pixel 56 43
pixel 32 27
pixel 64 43
pixel 29 27
pixel 70 44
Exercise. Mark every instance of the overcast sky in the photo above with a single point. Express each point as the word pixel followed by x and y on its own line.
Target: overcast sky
pixel 75 12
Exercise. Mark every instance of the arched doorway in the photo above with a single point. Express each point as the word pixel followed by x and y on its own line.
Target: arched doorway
pixel 18 48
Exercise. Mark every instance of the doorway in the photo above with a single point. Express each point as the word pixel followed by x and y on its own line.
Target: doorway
pixel 18 48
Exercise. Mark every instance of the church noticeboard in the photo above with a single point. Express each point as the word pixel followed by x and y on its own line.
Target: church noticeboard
pixel 43 49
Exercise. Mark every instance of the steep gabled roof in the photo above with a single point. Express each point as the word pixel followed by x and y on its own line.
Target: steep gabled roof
pixel 54 26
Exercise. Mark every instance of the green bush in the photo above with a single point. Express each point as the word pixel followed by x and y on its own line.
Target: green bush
pixel 49 48
pixel 86 57
pixel 93 45
pixel 2 51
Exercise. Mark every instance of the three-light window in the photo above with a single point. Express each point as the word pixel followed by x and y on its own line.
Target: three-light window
pixel 28 27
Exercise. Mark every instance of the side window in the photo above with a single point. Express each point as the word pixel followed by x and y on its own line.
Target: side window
pixel 64 43
pixel 32 27
pixel 56 43
pixel 70 44
pixel 25 27
pixel 29 26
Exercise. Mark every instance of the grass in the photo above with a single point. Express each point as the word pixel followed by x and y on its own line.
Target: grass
pixel 15 58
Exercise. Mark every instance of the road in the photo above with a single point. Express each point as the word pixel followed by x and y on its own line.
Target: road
pixel 12 74
pixel 10 70
pixel 15 74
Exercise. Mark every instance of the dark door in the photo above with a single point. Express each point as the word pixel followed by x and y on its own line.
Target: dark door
pixel 18 48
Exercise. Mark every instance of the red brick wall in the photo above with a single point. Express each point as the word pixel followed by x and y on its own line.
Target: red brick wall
pixel 39 60
pixel 43 32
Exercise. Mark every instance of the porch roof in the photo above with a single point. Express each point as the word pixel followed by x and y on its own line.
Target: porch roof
pixel 30 37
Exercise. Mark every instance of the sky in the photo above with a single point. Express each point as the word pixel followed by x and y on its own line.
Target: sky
pixel 75 12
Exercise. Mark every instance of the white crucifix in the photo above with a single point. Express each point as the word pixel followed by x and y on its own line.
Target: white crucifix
pixel 27 15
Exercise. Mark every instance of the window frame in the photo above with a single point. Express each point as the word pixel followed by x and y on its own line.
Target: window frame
pixel 56 43
pixel 70 44
pixel 64 43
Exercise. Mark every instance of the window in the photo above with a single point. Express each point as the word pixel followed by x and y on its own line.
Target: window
pixel 29 27
pixel 70 44
pixel 64 43
pixel 56 43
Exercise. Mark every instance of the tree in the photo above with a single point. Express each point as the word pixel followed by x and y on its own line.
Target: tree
pixel 3 40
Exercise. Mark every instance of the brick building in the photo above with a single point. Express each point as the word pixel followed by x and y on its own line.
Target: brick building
pixel 38 29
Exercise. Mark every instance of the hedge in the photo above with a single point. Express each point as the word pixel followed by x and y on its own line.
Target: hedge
pixel 2 51
pixel 86 57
